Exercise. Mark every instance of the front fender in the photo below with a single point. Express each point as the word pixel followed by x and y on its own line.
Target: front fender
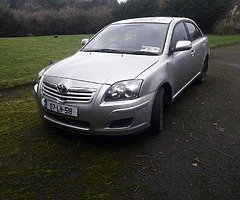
pixel 156 76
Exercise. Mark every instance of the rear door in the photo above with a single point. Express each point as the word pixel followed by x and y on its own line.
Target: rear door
pixel 199 45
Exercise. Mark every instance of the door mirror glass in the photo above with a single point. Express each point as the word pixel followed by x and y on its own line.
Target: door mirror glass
pixel 84 41
pixel 183 46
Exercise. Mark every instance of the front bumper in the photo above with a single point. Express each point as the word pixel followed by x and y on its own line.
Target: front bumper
pixel 98 117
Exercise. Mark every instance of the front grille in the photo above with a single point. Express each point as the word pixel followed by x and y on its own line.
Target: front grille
pixel 73 95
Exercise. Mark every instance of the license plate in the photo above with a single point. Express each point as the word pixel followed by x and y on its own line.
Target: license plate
pixel 59 108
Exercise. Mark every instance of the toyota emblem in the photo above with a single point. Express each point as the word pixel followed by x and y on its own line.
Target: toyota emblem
pixel 62 89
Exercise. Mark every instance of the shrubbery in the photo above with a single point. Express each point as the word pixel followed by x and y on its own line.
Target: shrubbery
pixel 45 17
pixel 230 24
pixel 54 17
pixel 205 12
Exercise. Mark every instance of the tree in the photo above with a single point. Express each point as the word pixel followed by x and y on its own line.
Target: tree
pixel 44 17
pixel 138 8
pixel 230 24
pixel 204 12
pixel 7 20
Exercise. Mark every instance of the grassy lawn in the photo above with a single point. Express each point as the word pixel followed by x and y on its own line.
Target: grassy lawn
pixel 221 40
pixel 32 153
pixel 22 58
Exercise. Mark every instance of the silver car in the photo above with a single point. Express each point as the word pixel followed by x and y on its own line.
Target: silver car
pixel 122 79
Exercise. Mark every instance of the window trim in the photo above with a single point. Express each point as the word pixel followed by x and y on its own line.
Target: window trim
pixel 182 21
pixel 196 26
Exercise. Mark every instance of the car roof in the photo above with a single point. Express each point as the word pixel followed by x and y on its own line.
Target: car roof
pixel 162 20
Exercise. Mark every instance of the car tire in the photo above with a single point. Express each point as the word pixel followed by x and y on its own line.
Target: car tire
pixel 156 125
pixel 201 79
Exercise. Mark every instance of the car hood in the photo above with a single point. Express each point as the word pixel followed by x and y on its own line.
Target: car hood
pixel 104 68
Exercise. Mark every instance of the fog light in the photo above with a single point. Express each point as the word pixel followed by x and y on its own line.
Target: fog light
pixel 121 123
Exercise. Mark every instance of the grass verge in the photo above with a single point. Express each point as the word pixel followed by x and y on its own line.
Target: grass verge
pixel 22 58
pixel 223 40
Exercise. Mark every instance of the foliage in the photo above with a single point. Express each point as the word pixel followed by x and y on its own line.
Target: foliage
pixel 204 12
pixel 45 17
pixel 7 20
pixel 138 8
pixel 230 24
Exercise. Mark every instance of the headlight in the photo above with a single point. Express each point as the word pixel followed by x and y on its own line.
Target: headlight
pixel 124 90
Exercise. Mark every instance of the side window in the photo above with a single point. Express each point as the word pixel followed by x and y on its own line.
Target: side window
pixel 193 31
pixel 179 34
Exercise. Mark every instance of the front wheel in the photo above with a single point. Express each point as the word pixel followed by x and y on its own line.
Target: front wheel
pixel 201 79
pixel 157 112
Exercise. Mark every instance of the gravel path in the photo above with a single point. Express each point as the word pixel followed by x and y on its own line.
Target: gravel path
pixel 228 55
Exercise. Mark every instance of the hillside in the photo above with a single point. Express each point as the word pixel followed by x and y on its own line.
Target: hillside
pixel 48 17
pixel 64 17
pixel 231 23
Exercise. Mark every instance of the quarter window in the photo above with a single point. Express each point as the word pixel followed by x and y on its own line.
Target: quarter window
pixel 179 34
pixel 193 32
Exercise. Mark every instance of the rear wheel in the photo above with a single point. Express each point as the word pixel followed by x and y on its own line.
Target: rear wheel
pixel 157 112
pixel 201 79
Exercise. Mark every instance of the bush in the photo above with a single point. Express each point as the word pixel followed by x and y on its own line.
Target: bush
pixel 7 20
pixel 204 12
pixel 138 8
pixel 230 24
pixel 45 17
pixel 50 17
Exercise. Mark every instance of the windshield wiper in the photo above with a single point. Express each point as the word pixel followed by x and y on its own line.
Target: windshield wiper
pixel 122 52
pixel 104 50
pixel 143 53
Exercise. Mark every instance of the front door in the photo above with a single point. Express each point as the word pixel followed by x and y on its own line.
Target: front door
pixel 181 61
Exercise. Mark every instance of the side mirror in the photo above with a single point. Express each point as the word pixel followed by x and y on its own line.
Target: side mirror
pixel 183 46
pixel 84 41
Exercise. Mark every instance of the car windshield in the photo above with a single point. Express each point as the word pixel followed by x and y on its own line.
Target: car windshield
pixel 137 38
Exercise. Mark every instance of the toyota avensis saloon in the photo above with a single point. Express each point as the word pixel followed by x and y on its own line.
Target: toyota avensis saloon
pixel 122 79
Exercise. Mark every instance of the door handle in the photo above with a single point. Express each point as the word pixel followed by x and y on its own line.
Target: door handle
pixel 204 44
pixel 193 53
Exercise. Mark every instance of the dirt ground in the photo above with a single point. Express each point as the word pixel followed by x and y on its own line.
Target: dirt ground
pixel 196 157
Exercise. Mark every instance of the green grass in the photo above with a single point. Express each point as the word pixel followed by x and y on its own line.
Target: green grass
pixel 222 40
pixel 22 58
pixel 38 162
